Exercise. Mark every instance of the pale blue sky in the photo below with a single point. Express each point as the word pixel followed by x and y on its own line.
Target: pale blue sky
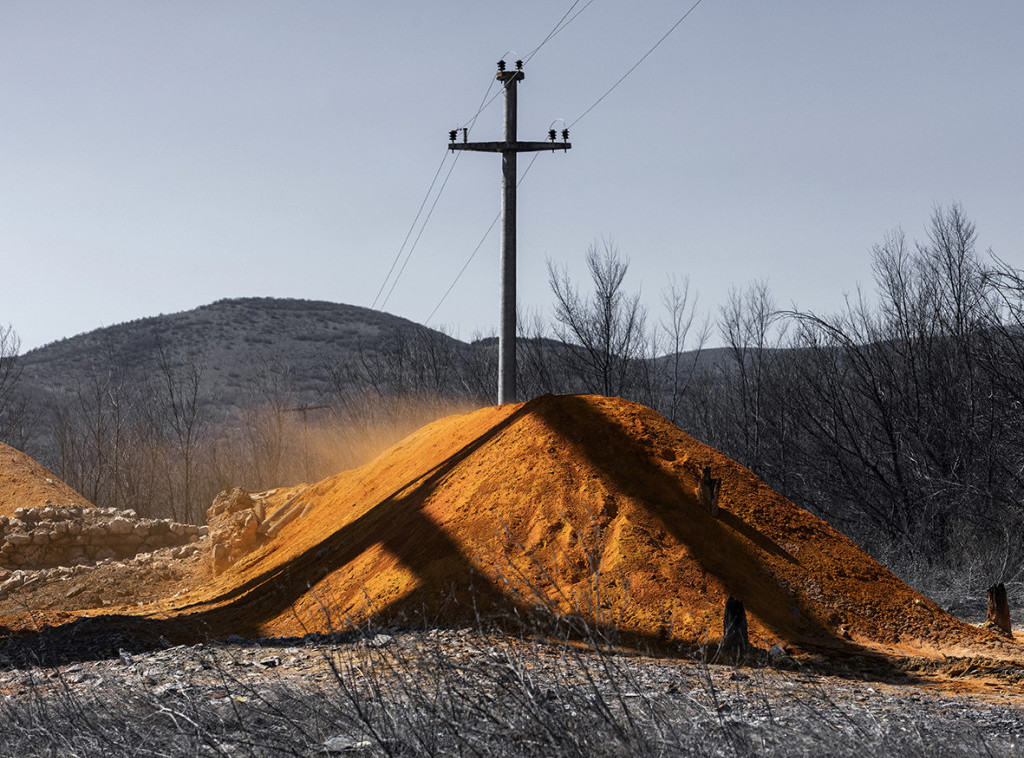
pixel 157 156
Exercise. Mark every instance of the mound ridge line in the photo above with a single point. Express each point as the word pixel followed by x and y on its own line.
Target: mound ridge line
pixel 25 483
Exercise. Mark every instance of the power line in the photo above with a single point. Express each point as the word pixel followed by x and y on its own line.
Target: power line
pixel 509 147
pixel 412 226
pixel 469 124
pixel 458 276
pixel 637 64
pixel 555 30
pixel 420 234
pixel 484 103
pixel 476 249
pixel 552 33
pixel 559 27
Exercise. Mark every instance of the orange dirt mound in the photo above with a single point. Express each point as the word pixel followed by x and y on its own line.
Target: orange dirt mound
pixel 585 505
pixel 26 484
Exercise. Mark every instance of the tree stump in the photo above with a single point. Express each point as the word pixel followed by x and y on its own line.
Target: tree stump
pixel 707 492
pixel 999 610
pixel 734 637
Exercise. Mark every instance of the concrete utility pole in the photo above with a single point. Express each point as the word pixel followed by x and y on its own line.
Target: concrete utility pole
pixel 508 148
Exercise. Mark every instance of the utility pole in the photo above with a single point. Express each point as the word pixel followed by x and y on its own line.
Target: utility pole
pixel 508 148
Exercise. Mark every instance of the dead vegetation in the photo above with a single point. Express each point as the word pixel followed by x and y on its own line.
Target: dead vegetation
pixel 464 692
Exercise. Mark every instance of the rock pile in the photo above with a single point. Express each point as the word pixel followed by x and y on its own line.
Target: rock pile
pixel 239 522
pixel 54 535
pixel 161 564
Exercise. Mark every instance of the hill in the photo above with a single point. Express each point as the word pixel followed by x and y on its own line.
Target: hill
pixel 159 414
pixel 237 348
pixel 586 506
pixel 309 348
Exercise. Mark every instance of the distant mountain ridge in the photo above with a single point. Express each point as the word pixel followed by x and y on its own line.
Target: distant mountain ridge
pixel 234 341
pixel 164 412
pixel 243 349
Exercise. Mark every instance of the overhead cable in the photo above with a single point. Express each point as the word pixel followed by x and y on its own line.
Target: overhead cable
pixel 637 64
pixel 558 28
pixel 412 226
pixel 567 18
pixel 423 226
pixel 476 249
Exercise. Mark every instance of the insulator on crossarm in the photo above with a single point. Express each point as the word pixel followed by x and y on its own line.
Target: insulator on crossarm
pixel 519 65
pixel 565 135
pixel 465 134
pixel 452 135
pixel 551 134
pixel 501 65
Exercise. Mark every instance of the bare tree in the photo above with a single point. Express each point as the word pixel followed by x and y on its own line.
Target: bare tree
pixel 905 419
pixel 266 424
pixel 540 369
pixel 752 329
pixel 1006 360
pixel 607 330
pixel 12 405
pixel 90 435
pixel 184 403
pixel 679 323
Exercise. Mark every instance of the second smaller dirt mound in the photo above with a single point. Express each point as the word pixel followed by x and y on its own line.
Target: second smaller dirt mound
pixel 24 483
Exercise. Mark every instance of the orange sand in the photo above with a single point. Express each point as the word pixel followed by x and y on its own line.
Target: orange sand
pixel 584 505
pixel 24 483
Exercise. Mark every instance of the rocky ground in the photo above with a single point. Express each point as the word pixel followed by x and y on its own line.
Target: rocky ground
pixel 462 692
pixel 107 583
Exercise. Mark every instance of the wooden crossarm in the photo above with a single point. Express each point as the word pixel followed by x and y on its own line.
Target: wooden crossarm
pixel 503 147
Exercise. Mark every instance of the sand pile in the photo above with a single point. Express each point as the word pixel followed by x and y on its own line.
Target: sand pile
pixel 583 506
pixel 26 484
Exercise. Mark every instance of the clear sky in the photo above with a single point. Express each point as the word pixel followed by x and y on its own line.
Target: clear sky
pixel 158 156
